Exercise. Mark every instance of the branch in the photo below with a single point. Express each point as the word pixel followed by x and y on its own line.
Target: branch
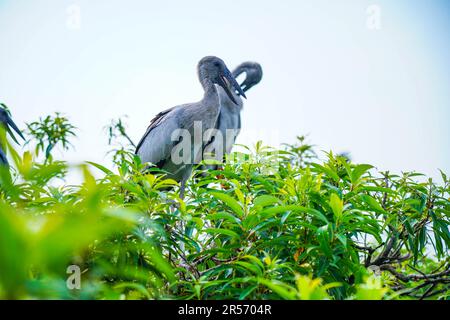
pixel 428 291
pixel 383 257
pixel 431 278
pixel 129 139
pixel 369 250
pixel 386 181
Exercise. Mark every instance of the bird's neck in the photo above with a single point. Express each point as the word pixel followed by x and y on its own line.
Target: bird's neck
pixel 211 93
pixel 227 103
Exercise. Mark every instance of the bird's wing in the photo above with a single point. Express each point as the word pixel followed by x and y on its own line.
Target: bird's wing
pixel 153 124
pixel 157 144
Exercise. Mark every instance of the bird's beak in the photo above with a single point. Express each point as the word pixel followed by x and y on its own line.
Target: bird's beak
pixel 244 86
pixel 236 73
pixel 227 75
pixel 11 124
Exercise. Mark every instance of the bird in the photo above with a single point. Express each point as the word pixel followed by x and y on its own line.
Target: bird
pixel 173 133
pixel 229 120
pixel 7 123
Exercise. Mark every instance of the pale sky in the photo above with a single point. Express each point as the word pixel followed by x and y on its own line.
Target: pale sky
pixel 378 91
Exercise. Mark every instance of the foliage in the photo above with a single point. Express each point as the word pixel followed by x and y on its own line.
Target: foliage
pixel 270 224
pixel 119 139
pixel 49 131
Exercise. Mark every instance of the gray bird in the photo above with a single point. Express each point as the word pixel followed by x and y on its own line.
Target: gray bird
pixel 229 120
pixel 7 123
pixel 162 144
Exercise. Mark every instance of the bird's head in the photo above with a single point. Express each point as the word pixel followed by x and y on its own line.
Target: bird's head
pixel 8 123
pixel 253 73
pixel 215 69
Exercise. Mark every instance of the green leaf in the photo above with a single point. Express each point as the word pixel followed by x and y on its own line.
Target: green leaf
pixel 294 208
pixel 358 171
pixel 336 205
pixel 229 201
pixel 222 232
pixel 323 236
pixel 330 173
pixel 244 294
pixel 372 203
pixel 281 289
pixel 251 267
pixel 225 216
pixel 377 189
pixel 14 252
pixel 265 200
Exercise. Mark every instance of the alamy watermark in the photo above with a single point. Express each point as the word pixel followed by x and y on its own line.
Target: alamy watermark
pixel 373 20
pixel 73 19
pixel 73 281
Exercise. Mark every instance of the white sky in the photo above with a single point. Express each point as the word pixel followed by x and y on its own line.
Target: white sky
pixel 382 95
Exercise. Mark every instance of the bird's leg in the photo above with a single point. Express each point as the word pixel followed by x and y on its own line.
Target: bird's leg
pixel 182 188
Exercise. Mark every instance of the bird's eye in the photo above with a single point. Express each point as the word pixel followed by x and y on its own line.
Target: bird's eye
pixel 217 64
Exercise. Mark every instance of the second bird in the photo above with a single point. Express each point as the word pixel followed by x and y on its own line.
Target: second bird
pixel 169 128
pixel 7 123
pixel 229 120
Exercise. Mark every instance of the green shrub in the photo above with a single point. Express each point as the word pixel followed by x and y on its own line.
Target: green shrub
pixel 275 224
